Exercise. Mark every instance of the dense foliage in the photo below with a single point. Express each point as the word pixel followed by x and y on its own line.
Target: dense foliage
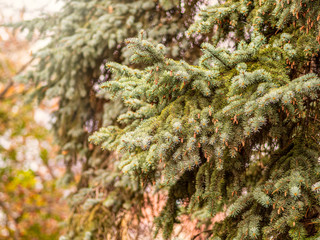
pixel 231 128
pixel 82 36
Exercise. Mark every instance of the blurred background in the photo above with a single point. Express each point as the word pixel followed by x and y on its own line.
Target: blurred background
pixel 32 206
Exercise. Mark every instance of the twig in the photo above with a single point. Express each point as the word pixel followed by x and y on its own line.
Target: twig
pixel 6 89
pixel 11 82
pixel 207 231
pixel 216 56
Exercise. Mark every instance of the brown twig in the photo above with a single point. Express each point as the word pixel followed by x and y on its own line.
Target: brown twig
pixel 207 231
pixel 11 82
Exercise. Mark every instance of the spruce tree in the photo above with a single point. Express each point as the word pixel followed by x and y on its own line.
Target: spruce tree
pixel 237 130
pixel 81 38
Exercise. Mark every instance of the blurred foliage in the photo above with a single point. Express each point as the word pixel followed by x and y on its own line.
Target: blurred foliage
pixel 30 204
